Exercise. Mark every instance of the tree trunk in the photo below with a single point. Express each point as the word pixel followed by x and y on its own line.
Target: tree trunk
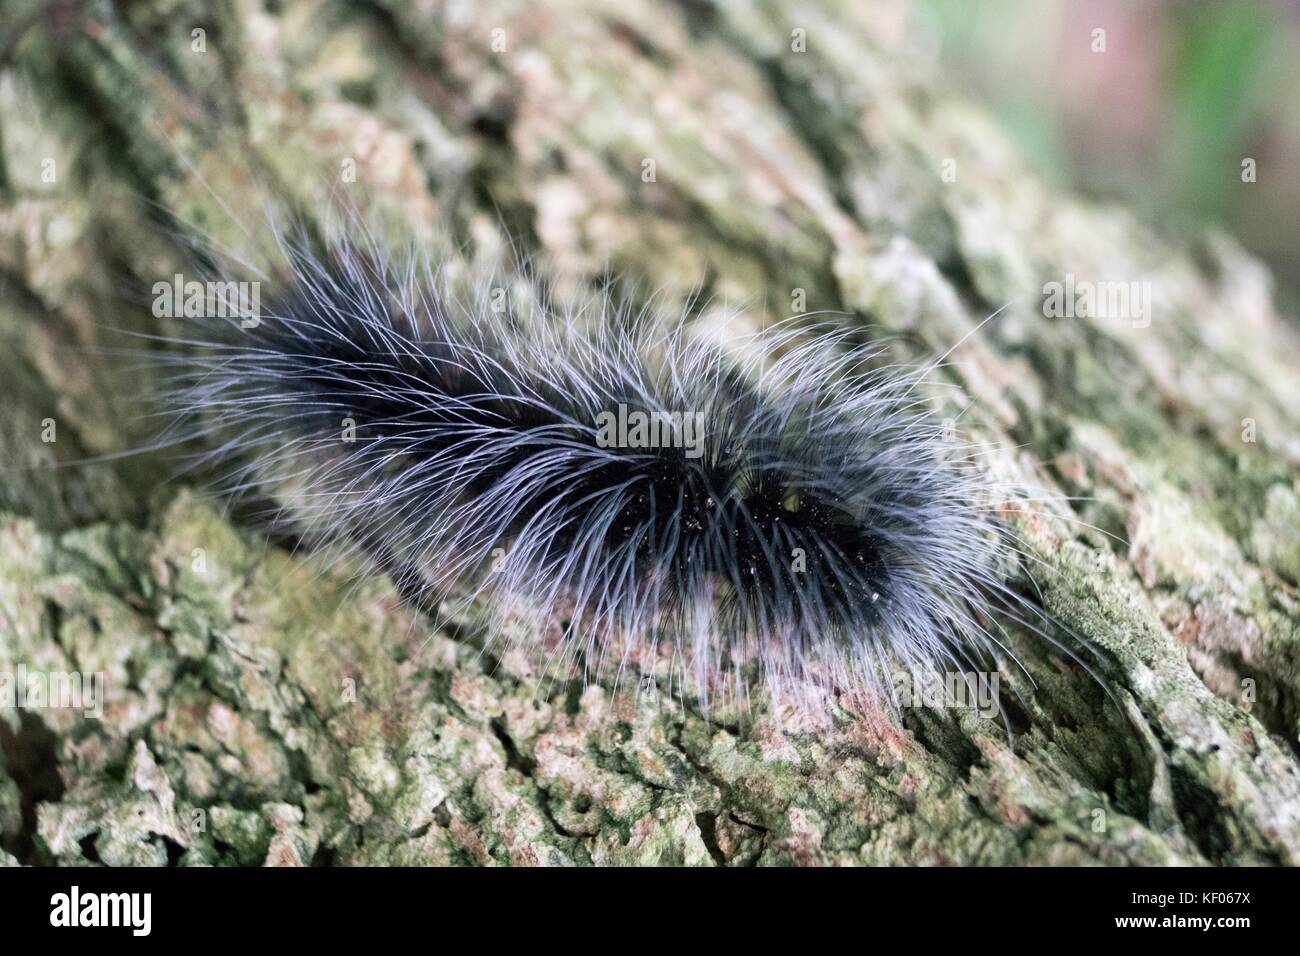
pixel 256 710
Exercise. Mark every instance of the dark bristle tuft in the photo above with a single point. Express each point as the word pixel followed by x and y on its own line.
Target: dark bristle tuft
pixel 815 524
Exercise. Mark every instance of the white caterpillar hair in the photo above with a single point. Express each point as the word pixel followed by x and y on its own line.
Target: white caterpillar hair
pixel 787 511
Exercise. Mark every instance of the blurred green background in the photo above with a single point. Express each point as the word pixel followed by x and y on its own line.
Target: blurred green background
pixel 1162 119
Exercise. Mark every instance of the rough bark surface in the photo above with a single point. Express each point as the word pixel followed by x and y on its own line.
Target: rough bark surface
pixel 259 710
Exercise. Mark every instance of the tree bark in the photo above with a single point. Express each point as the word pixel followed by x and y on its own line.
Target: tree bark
pixel 259 711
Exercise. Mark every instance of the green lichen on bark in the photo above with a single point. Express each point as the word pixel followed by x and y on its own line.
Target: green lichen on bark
pixel 263 706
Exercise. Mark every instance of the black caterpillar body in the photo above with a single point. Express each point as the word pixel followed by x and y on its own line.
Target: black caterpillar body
pixel 814 529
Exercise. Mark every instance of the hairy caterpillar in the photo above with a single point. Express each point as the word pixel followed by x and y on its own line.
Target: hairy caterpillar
pixel 787 511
